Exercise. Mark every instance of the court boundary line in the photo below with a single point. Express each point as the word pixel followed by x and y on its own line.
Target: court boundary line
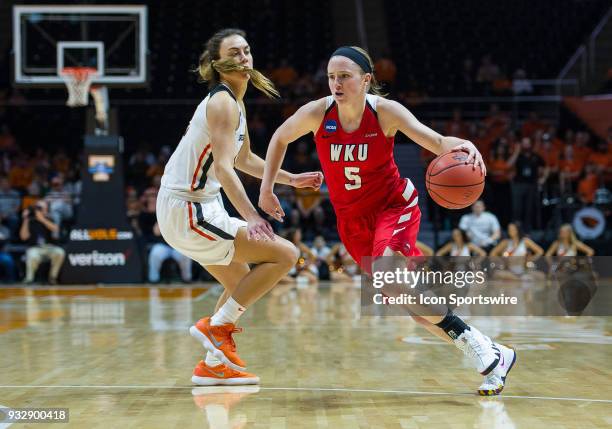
pixel 210 291
pixel 312 389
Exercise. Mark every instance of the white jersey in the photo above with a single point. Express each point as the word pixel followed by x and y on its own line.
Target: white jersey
pixel 519 250
pixel 464 251
pixel 190 172
pixel 566 251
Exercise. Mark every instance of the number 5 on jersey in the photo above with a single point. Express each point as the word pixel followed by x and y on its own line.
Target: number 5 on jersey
pixel 352 175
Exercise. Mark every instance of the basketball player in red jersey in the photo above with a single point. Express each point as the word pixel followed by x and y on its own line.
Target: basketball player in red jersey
pixel 377 210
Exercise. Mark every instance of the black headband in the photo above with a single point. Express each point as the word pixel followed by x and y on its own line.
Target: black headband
pixel 355 55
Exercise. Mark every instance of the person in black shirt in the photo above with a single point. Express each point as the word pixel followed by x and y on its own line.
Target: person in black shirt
pixel 37 231
pixel 531 173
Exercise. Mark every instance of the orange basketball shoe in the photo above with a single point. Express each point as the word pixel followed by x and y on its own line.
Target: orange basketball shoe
pixel 218 340
pixel 204 375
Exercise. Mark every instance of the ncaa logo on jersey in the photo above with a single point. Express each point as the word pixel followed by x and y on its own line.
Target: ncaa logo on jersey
pixel 331 126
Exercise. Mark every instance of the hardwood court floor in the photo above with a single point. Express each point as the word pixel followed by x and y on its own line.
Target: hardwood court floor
pixel 121 357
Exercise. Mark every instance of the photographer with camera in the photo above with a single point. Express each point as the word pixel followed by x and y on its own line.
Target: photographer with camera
pixel 37 230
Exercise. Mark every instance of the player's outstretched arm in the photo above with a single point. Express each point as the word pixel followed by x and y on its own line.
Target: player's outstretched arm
pixel 302 122
pixel 250 163
pixel 395 117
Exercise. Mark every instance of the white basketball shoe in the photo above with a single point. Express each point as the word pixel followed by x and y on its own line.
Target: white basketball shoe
pixel 495 381
pixel 479 348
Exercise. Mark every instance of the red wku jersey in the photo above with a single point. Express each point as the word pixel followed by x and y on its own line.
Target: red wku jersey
pixel 359 168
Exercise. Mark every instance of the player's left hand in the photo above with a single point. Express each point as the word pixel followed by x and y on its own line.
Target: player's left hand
pixel 269 203
pixel 474 155
pixel 311 179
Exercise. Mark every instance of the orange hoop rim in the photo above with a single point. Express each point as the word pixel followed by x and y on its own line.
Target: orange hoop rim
pixel 79 73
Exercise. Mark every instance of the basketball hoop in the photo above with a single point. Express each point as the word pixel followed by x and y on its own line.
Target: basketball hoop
pixel 78 80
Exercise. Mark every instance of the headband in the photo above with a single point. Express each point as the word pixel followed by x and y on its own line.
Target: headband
pixel 354 55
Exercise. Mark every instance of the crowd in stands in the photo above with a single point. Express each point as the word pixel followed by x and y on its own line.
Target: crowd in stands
pixel 531 167
pixel 39 197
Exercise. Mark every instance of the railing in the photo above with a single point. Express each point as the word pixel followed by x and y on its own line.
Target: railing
pixel 593 39
pixel 579 59
pixel 581 65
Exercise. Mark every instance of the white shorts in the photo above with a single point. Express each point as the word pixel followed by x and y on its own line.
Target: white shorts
pixel 203 231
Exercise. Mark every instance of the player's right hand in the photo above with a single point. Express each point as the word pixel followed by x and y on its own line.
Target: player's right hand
pixel 269 203
pixel 259 229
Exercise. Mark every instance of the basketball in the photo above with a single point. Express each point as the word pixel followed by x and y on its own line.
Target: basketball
pixel 452 183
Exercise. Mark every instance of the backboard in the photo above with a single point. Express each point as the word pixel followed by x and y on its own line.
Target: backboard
pixel 109 38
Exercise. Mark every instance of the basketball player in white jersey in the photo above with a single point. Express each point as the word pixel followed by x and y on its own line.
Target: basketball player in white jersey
pixel 190 210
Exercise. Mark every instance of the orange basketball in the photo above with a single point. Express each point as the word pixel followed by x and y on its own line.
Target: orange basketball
pixel 452 183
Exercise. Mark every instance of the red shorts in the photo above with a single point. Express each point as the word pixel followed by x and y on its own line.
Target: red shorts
pixel 396 227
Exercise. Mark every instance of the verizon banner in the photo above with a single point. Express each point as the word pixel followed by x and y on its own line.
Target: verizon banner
pixel 101 246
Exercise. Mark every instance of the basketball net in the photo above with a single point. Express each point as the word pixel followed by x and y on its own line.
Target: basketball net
pixel 78 80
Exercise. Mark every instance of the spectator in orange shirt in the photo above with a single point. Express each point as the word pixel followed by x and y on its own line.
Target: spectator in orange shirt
pixel 570 169
pixel 157 168
pixel 588 185
pixel 386 70
pixel 549 153
pixel 499 168
pixel 497 122
pixel 7 140
pixel 582 150
pixel 483 142
pixel 61 162
pixel 499 175
pixel 456 126
pixel 21 174
pixel 602 159
pixel 309 205
pixel 556 141
pixel 284 75
pixel 532 124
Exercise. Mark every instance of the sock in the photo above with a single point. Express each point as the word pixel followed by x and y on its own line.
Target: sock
pixel 211 360
pixel 228 313
pixel 453 325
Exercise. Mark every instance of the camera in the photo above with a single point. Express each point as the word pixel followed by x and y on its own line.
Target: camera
pixel 32 212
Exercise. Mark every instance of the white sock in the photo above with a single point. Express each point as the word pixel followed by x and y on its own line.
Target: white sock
pixel 228 313
pixel 211 360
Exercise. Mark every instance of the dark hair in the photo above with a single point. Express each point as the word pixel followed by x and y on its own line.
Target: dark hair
pixel 210 66
pixel 519 228
pixel 464 236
